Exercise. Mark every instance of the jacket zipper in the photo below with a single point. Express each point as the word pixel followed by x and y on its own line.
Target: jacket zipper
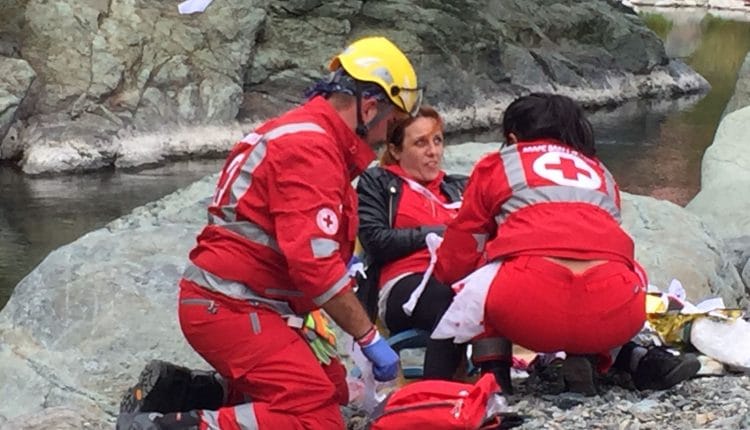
pixel 456 411
pixel 211 306
pixel 392 191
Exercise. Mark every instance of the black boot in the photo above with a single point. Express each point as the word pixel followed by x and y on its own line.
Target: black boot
pixel 442 358
pixel 578 373
pixel 655 368
pixel 164 387
pixel 495 355
pixel 545 374
pixel 156 421
pixel 501 370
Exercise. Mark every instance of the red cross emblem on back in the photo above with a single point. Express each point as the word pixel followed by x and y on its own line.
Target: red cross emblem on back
pixel 568 168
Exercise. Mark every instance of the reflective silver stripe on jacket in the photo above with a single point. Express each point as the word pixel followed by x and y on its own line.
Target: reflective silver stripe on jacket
pixel 247 230
pixel 524 195
pixel 323 247
pixel 513 167
pixel 244 417
pixel 233 289
pixel 481 241
pixel 335 289
pixel 243 181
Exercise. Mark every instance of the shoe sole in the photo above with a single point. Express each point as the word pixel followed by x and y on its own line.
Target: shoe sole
pixel 578 374
pixel 683 371
pixel 135 397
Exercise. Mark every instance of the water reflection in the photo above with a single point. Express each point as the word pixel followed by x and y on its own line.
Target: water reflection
pixel 38 215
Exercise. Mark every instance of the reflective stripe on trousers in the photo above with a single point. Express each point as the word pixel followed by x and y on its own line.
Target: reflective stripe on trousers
pixel 244 418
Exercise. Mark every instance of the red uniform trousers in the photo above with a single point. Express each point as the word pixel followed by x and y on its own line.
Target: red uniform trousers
pixel 545 307
pixel 275 380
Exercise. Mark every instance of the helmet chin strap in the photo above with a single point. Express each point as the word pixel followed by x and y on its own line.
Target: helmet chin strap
pixel 362 128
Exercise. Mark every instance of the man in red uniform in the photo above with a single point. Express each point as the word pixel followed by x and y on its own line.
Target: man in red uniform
pixel 281 228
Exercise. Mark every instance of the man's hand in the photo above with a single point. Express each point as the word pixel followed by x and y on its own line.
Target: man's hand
pixel 348 313
pixel 383 358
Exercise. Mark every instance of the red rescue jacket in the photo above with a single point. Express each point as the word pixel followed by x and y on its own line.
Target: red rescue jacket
pixel 282 223
pixel 416 209
pixel 535 198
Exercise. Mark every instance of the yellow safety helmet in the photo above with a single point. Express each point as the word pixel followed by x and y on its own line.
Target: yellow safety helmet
pixel 378 60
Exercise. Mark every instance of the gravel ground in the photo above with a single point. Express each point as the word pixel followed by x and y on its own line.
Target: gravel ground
pixel 710 403
pixel 701 403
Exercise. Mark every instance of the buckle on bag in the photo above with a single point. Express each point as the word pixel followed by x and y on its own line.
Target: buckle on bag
pixel 294 321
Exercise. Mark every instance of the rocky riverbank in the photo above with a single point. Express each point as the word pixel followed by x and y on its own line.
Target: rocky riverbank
pixel 137 66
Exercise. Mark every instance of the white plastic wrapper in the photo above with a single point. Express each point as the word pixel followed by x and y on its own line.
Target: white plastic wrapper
pixel 496 404
pixel 365 392
pixel 725 340
pixel 193 6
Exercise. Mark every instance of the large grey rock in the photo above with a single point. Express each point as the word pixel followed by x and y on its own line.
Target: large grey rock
pixel 740 248
pixel 121 52
pixel 16 77
pixel 136 65
pixel 132 64
pixel 671 242
pixel 741 96
pixel 724 198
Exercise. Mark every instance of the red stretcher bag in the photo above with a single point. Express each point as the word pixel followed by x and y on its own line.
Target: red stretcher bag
pixel 440 405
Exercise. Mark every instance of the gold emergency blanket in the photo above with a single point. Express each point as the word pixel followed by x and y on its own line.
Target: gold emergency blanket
pixel 673 326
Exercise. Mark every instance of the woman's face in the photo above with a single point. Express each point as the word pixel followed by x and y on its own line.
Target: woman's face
pixel 421 154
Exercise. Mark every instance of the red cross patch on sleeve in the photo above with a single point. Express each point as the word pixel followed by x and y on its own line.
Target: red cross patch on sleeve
pixel 327 221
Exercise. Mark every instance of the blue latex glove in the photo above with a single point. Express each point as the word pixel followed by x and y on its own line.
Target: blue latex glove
pixel 383 358
pixel 355 266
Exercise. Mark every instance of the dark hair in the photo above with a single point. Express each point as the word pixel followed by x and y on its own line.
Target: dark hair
pixel 340 82
pixel 549 116
pixel 397 134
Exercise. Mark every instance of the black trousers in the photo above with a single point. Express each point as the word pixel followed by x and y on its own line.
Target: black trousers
pixel 442 357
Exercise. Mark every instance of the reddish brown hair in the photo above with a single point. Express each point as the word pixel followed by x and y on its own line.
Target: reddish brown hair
pixel 399 131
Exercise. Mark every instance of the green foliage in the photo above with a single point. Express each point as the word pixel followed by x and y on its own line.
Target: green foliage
pixel 657 23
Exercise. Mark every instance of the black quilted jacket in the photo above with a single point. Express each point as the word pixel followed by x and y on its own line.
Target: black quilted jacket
pixel 379 194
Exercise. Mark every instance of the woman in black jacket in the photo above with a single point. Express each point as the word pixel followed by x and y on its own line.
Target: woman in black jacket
pixel 400 202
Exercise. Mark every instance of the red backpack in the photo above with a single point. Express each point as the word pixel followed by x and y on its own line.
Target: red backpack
pixel 439 405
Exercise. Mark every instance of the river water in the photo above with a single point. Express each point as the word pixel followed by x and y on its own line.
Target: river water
pixel 652 148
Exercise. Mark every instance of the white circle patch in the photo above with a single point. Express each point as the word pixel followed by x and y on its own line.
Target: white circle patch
pixel 327 221
pixel 567 169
